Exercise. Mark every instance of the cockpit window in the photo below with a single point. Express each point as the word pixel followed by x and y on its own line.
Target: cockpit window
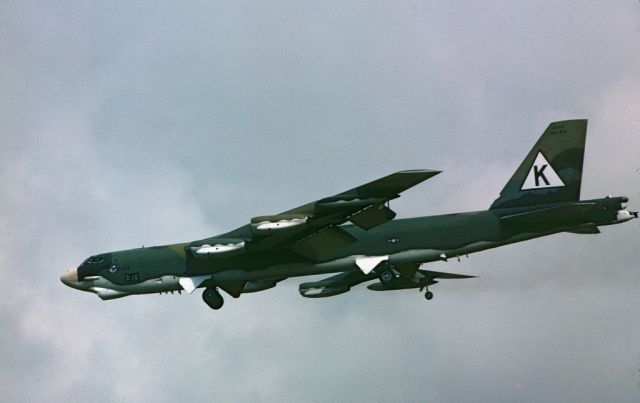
pixel 94 259
pixel 92 266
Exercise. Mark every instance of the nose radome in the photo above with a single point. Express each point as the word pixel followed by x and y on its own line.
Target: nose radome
pixel 70 276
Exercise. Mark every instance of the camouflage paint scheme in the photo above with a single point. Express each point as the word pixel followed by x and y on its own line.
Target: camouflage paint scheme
pixel 541 198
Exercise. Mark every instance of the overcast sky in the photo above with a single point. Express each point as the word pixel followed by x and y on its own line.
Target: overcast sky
pixel 154 123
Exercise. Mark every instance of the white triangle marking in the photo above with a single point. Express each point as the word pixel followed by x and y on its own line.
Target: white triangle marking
pixel 368 263
pixel 191 283
pixel 541 175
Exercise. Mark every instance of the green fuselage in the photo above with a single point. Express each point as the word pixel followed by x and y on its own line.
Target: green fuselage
pixel 541 198
pixel 417 240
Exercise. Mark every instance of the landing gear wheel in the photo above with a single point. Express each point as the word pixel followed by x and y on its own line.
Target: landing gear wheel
pixel 428 295
pixel 387 276
pixel 212 297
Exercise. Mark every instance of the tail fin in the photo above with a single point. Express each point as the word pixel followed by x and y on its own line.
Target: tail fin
pixel 552 171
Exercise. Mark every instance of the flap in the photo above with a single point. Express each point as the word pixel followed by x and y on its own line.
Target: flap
pixel 372 216
pixel 323 242
pixel 233 288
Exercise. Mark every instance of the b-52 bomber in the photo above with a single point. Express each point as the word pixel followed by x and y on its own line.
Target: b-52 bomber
pixel 541 198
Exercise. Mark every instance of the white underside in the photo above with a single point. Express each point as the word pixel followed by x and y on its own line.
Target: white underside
pixel 191 283
pixel 368 263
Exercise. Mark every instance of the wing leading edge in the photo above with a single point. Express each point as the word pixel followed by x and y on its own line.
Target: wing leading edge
pixel 312 230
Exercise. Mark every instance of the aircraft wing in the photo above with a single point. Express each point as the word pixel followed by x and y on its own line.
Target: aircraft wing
pixel 334 285
pixel 421 279
pixel 312 229
pixel 343 282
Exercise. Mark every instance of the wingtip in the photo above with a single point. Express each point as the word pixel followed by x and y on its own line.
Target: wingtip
pixel 430 172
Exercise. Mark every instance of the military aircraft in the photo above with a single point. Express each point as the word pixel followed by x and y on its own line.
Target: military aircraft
pixel 541 198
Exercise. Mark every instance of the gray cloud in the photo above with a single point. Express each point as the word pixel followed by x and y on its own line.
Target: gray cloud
pixel 129 124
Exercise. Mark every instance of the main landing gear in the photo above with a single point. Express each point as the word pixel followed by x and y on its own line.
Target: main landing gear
pixel 390 280
pixel 387 276
pixel 212 297
pixel 428 295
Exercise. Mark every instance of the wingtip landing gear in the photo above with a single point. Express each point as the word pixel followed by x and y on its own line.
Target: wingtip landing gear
pixel 212 297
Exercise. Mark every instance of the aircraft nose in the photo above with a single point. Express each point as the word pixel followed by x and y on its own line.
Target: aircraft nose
pixel 69 277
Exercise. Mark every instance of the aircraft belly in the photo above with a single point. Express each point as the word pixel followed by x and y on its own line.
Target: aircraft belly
pixel 151 286
pixel 105 289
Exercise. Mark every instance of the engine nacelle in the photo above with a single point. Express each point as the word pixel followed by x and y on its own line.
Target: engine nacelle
pixel 345 202
pixel 268 226
pixel 218 249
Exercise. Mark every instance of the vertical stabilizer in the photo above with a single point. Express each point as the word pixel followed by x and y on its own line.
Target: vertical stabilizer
pixel 552 171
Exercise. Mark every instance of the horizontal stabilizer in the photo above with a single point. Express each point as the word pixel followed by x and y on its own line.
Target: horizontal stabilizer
pixel 591 229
